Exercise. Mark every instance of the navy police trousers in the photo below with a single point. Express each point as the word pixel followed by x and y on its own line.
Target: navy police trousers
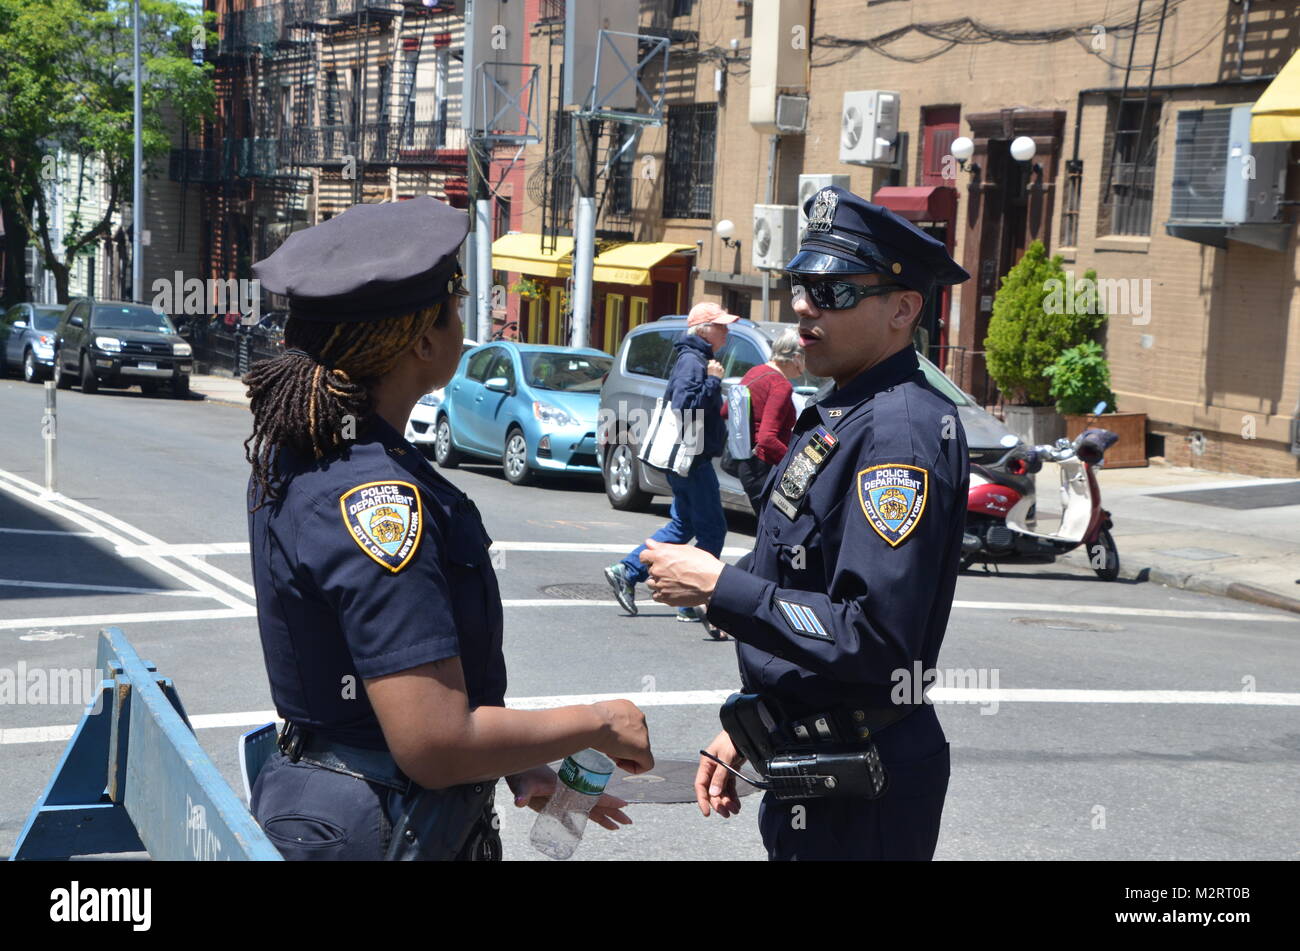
pixel 316 814
pixel 902 825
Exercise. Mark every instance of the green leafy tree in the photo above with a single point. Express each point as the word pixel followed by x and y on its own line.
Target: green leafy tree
pixel 1080 379
pixel 66 91
pixel 1038 314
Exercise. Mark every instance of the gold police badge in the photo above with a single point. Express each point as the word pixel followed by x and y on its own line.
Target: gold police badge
pixel 385 520
pixel 892 497
pixel 822 215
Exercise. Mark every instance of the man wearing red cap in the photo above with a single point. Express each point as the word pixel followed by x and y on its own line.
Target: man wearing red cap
pixel 694 387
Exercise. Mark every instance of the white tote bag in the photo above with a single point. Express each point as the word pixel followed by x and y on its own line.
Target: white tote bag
pixel 669 444
pixel 740 442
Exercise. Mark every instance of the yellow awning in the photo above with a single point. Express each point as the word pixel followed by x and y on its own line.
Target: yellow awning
pixel 1276 116
pixel 523 253
pixel 631 263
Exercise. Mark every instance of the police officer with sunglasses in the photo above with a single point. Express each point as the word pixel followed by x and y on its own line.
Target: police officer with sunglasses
pixel 840 610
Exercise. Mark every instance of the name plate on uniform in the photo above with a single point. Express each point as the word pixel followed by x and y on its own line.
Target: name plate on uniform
pixel 801 470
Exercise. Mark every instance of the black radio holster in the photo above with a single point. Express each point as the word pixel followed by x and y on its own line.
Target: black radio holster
pixel 799 769
pixel 442 825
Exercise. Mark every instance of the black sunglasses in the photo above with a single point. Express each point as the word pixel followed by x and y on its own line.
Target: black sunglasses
pixel 838 295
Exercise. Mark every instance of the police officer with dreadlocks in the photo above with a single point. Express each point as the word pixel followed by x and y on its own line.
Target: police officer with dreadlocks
pixel 844 600
pixel 379 611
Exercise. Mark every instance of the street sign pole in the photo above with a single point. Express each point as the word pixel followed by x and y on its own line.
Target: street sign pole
pixel 49 430
pixel 137 184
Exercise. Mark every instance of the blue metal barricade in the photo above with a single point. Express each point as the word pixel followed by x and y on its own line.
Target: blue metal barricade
pixel 134 778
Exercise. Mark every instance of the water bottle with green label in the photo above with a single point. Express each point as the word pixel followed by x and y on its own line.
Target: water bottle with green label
pixel 559 826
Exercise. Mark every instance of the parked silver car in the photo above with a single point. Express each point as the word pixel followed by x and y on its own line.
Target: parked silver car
pixel 640 376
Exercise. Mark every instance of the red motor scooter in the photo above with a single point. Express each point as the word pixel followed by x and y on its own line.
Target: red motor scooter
pixel 1001 522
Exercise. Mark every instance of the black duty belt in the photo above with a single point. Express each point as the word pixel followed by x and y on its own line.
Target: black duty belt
pixel 428 824
pixel 828 754
pixel 376 766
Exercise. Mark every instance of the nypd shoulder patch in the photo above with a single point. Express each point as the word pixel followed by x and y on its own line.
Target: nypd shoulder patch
pixel 385 520
pixel 893 499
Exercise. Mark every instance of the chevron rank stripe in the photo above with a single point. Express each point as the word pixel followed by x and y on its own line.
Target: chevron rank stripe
pixel 803 619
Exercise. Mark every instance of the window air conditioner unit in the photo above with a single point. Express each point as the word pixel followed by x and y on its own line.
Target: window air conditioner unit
pixel 810 185
pixel 1225 186
pixel 776 235
pixel 869 127
pixel 791 114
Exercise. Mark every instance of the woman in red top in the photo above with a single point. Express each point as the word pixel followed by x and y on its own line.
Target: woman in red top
pixel 771 413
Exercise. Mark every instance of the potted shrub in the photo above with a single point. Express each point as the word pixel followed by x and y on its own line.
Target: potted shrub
pixel 1079 382
pixel 1039 312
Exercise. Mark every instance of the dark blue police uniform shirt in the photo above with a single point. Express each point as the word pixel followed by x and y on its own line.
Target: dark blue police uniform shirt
pixel 830 604
pixel 370 564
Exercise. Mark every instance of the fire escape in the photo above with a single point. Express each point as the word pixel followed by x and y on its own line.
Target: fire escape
pixel 289 117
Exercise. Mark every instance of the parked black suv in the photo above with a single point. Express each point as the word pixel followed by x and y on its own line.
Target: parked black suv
pixel 117 343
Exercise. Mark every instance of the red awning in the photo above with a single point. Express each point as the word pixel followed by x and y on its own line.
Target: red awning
pixel 923 203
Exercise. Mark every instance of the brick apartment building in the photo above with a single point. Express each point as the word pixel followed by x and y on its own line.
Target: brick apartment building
pixel 1213 357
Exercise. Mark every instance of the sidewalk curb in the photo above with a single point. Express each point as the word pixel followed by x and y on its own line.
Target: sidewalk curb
pixel 217 399
pixel 1217 585
pixel 1212 584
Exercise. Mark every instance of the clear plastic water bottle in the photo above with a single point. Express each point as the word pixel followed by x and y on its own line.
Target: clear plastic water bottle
pixel 559 826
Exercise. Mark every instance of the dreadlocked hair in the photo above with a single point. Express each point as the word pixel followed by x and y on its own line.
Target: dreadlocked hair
pixel 306 398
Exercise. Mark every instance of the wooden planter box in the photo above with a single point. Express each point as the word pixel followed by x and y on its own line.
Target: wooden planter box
pixel 1131 428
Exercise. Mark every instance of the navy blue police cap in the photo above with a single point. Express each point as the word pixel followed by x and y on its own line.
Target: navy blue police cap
pixel 846 235
pixel 372 262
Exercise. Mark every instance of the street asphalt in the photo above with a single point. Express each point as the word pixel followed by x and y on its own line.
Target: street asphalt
pixel 1161 723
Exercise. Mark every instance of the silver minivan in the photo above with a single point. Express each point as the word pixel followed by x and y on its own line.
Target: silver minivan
pixel 640 376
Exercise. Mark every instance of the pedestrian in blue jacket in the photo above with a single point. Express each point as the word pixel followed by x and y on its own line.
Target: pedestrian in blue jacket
pixel 694 387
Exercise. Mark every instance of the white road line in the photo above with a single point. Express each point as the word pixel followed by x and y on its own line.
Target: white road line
pixel 106 588
pixel 613 548
pixel 241 548
pixel 46 531
pixel 966 605
pixel 81 514
pixel 141 617
pixel 196 549
pixel 678 698
pixel 558 603
pixel 1122 611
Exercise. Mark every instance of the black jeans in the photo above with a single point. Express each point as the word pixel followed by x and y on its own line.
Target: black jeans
pixel 753 473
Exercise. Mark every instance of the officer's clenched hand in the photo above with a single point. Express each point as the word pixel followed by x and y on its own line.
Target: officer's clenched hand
pixel 625 737
pixel 714 786
pixel 681 575
pixel 534 787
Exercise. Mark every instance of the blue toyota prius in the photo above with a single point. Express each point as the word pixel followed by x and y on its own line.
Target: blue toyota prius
pixel 531 407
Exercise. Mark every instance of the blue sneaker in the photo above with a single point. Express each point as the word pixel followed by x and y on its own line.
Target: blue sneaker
pixel 617 578
pixel 690 615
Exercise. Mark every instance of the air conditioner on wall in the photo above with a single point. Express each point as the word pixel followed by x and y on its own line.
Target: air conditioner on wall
pixel 1225 186
pixel 776 235
pixel 869 127
pixel 809 185
pixel 791 114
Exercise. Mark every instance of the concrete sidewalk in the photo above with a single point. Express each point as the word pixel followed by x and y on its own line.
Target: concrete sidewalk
pixel 219 389
pixel 1252 554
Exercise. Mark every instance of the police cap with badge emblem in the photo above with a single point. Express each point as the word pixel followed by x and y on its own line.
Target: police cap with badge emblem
pixel 372 262
pixel 847 235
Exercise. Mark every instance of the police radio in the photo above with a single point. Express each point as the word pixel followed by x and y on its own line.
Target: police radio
pixel 796 770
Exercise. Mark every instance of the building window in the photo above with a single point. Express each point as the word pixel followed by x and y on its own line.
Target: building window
pixel 620 185
pixel 1070 209
pixel 688 178
pixel 738 302
pixel 503 215
pixel 1126 205
pixel 682 8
